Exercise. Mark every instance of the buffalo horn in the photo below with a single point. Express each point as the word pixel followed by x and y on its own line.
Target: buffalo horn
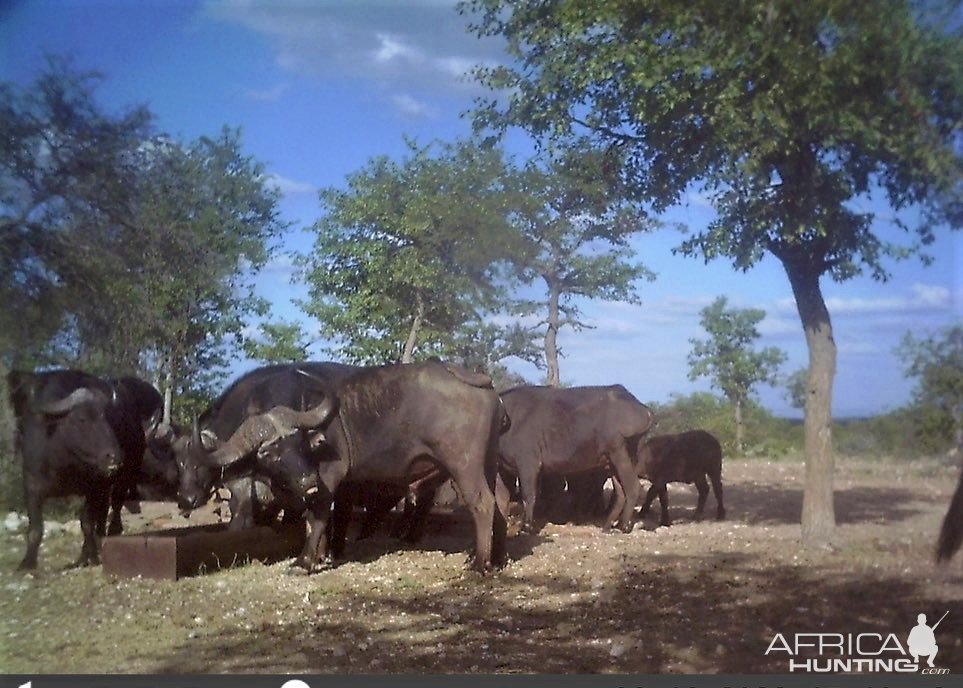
pixel 62 406
pixel 225 455
pixel 245 439
pixel 314 417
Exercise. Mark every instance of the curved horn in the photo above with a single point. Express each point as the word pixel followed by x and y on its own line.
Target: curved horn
pixel 316 416
pixel 223 457
pixel 251 434
pixel 62 406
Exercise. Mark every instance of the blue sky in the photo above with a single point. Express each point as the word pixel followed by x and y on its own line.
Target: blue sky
pixel 319 87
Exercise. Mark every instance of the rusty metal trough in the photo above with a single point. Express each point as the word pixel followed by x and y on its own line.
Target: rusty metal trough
pixel 179 552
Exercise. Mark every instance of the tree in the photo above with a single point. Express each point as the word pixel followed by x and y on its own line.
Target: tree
pixel 409 252
pixel 123 251
pixel 784 113
pixel 206 217
pixel 937 364
pixel 796 388
pixel 728 360
pixel 65 168
pixel 483 346
pixel 575 230
pixel 280 342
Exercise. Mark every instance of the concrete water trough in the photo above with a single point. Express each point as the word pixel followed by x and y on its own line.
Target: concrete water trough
pixel 180 552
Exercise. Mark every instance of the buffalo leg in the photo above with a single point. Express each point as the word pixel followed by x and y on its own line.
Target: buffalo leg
pixel 92 521
pixel 664 503
pixel 34 531
pixel 625 472
pixel 618 502
pixel 500 521
pixel 414 523
pixel 702 485
pixel 319 501
pixel 528 486
pixel 316 546
pixel 480 500
pixel 649 497
pixel 344 501
pixel 716 479
pixel 377 508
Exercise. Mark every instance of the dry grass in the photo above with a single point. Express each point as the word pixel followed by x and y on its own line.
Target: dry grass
pixel 697 597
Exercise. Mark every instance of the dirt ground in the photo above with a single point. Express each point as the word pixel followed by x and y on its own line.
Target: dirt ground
pixel 698 597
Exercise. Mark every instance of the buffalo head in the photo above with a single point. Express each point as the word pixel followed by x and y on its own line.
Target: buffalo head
pixel 78 426
pixel 196 476
pixel 275 437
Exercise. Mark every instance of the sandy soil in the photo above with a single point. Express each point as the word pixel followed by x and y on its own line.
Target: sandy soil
pixel 704 597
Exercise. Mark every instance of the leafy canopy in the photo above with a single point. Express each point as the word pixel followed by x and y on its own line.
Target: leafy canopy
pixel 936 362
pixel 727 357
pixel 65 168
pixel 413 241
pixel 784 111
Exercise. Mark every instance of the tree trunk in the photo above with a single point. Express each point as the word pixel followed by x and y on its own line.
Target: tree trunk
pixel 407 356
pixel 551 335
pixel 740 429
pixel 168 395
pixel 818 514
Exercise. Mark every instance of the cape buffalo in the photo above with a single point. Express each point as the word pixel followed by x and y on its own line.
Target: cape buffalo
pixel 398 424
pixel 573 431
pixel 79 434
pixel 951 532
pixel 252 502
pixel 688 457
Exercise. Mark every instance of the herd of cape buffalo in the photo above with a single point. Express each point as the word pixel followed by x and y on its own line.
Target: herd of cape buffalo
pixel 314 441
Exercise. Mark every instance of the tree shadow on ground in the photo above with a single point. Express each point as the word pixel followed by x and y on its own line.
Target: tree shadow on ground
pixel 712 613
pixel 445 531
pixel 768 504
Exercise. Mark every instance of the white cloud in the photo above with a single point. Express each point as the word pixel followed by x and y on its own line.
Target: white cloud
pixel 423 46
pixel 290 187
pixel 280 262
pixel 391 48
pixel 921 297
pixel 411 107
pixel 270 95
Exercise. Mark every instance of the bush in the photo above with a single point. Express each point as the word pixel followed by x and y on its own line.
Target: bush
pixel 765 434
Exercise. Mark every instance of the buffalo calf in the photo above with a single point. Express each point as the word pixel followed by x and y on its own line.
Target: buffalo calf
pixel 688 457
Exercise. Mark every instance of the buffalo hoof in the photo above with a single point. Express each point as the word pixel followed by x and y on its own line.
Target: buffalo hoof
pixel 83 563
pixel 27 565
pixel 483 569
pixel 301 566
pixel 721 515
pixel 626 527
pixel 665 523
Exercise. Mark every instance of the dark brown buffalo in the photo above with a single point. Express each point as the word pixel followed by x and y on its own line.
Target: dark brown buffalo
pixel 256 497
pixel 79 435
pixel 688 457
pixel 951 532
pixel 571 432
pixel 398 424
